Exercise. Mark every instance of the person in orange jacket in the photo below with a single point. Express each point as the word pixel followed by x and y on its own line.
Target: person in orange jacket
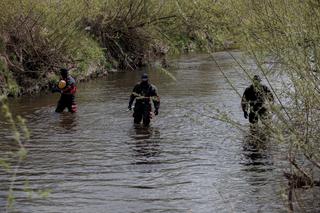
pixel 67 86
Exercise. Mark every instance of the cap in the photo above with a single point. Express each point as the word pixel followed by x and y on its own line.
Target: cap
pixel 144 77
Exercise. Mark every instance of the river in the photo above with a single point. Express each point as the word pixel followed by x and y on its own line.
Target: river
pixel 97 161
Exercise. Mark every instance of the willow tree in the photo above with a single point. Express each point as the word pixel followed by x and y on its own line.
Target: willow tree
pixel 288 32
pixel 282 37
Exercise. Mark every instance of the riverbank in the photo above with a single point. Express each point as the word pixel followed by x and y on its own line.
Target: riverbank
pixel 37 38
pixel 10 87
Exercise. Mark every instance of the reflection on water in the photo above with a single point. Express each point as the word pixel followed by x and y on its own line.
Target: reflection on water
pixel 97 161
pixel 256 150
pixel 255 146
pixel 67 121
pixel 142 133
pixel 146 144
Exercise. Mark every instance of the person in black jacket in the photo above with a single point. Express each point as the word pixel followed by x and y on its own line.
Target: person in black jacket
pixel 254 100
pixel 144 93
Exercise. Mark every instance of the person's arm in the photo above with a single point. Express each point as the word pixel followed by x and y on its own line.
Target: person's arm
pixel 68 89
pixel 54 88
pixel 132 97
pixel 156 101
pixel 244 104
pixel 269 95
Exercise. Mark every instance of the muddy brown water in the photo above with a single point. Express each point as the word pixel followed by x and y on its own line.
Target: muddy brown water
pixel 97 161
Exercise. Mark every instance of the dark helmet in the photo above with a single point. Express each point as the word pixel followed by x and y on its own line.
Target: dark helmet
pixel 144 77
pixel 257 78
pixel 64 72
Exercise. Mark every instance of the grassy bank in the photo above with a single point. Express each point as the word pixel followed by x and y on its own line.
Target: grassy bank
pixel 38 37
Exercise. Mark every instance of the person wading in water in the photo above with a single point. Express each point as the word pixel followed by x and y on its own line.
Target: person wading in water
pixel 67 88
pixel 144 93
pixel 254 101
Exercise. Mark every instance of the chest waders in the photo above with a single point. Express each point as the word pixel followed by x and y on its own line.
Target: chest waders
pixel 67 99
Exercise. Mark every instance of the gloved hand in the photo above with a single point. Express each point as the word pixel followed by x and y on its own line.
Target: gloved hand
pixel 55 89
pixel 156 111
pixel 130 107
pixel 245 114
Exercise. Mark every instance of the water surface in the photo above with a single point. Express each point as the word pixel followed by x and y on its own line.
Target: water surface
pixel 97 161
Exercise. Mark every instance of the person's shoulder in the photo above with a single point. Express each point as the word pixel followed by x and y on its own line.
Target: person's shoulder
pixel 137 84
pixel 265 87
pixel 154 87
pixel 249 88
pixel 71 79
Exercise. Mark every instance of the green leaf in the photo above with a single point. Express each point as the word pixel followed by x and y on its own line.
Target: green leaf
pixel 5 165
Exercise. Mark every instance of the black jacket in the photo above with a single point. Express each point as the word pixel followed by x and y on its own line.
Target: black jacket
pixel 144 93
pixel 255 97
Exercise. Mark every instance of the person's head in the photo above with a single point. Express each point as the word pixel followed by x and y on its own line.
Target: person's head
pixel 64 72
pixel 144 78
pixel 256 80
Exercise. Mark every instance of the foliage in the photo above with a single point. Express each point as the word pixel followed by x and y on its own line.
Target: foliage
pixel 274 28
pixel 38 37
pixel 20 133
pixel 282 38
pixel 286 35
